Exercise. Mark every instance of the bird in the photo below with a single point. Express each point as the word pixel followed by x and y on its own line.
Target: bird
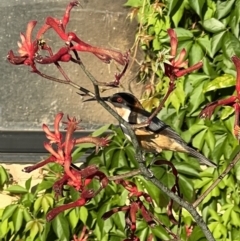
pixel 155 137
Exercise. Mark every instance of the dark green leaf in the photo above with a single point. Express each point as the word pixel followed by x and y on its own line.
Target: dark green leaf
pixel 224 8
pixel 171 5
pixel 196 54
pixel 197 6
pixel 44 185
pixel 231 45
pixel 234 19
pixel 213 25
pixel 179 13
pixel 205 44
pixel 217 41
pixel 186 169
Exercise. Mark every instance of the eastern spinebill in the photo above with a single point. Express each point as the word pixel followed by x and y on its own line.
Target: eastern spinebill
pixel 156 136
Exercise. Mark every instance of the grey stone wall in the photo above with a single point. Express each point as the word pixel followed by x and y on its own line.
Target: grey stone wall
pixel 27 100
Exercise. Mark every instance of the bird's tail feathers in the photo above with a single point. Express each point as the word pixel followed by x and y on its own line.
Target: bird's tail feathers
pixel 201 157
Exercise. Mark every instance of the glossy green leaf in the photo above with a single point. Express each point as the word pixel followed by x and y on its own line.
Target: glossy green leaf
pixel 213 25
pixel 199 139
pixel 226 112
pixel 34 230
pixel 171 5
pixel 9 210
pixel 196 54
pixel 186 169
pixel 83 214
pixel 44 185
pixel 224 81
pixel 224 8
pixel 179 13
pixel 234 19
pixel 17 218
pixel 17 189
pixel 183 34
pixel 61 227
pixel 205 44
pixel 73 219
pixel 217 41
pixel 197 6
pixel 231 45
pixel 208 68
pixel 210 139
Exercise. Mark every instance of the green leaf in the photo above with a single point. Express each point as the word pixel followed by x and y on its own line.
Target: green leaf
pixel 217 41
pixel 224 81
pixel 226 112
pixel 17 189
pixel 183 34
pixel 179 13
pixel 210 139
pixel 186 169
pixel 34 230
pixel 73 218
pixel 234 19
pixel 199 140
pixel 61 227
pixel 224 8
pixel 17 218
pixel 197 6
pixel 196 54
pixel 28 183
pixel 101 130
pixel 171 5
pixel 4 177
pixel 8 211
pixel 44 185
pixel 133 3
pixel 213 25
pixel 83 214
pixel 205 44
pixel 231 45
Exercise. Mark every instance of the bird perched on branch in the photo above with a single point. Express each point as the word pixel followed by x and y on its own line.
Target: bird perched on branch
pixel 154 137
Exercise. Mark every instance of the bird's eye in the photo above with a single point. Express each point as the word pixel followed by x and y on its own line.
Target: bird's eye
pixel 119 100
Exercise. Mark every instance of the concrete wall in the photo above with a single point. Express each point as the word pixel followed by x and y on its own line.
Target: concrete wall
pixel 27 100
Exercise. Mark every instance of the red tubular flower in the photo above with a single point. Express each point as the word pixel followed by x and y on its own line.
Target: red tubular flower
pixel 178 67
pixel 233 101
pixel 28 48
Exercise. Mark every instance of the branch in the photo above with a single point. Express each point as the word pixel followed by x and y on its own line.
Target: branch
pixel 143 169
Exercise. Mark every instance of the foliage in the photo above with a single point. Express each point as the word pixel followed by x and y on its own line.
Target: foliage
pixel 209 32
pixel 70 200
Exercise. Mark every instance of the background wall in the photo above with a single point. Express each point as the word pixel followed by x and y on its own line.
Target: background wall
pixel 27 100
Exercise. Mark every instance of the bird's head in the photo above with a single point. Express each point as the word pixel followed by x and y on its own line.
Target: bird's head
pixel 124 103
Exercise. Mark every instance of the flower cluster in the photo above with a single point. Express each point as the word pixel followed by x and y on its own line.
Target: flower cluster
pixel 29 48
pixel 60 148
pixel 177 67
pixel 233 101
